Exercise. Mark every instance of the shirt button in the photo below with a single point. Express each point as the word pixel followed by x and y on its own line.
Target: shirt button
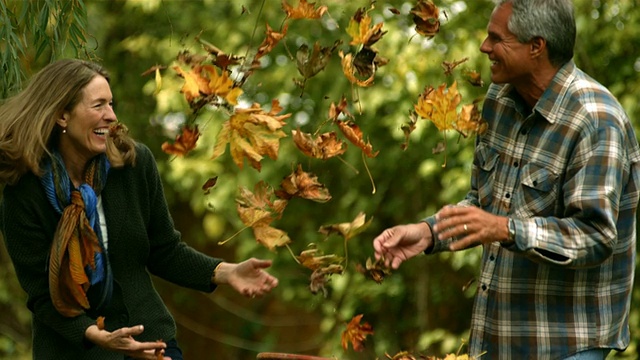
pixel 507 195
pixel 484 287
pixel 515 164
pixel 492 257
pixel 523 132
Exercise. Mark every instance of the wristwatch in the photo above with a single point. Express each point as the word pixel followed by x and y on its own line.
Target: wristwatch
pixel 512 231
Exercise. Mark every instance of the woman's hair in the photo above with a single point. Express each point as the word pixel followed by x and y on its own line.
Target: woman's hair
pixel 552 20
pixel 28 130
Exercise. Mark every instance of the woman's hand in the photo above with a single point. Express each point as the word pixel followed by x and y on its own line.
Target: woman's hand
pixel 122 341
pixel 248 277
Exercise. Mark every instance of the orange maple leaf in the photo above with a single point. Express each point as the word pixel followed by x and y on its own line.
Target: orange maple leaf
pixel 304 185
pixel 310 64
pixel 304 10
pixel 204 80
pixel 184 143
pixel 324 146
pixel 341 108
pixel 448 66
pixel 356 333
pixel 270 41
pixel 374 270
pixel 439 105
pixel 252 133
pixel 470 120
pixel 361 31
pixel 353 133
pixel 313 259
pixel 426 17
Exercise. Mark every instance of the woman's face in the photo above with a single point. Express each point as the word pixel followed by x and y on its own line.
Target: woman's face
pixel 87 124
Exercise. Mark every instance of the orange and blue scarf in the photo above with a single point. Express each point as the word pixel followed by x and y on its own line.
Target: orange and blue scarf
pixel 80 277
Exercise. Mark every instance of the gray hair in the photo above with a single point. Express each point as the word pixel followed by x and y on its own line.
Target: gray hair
pixel 552 20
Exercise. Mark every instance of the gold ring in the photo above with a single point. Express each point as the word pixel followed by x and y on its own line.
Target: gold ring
pixel 465 227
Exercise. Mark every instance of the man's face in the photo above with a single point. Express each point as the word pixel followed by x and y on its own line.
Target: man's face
pixel 510 61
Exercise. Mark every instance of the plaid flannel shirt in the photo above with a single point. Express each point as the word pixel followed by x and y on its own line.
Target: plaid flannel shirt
pixel 568 174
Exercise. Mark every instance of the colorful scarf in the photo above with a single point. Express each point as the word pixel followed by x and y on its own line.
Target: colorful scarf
pixel 79 272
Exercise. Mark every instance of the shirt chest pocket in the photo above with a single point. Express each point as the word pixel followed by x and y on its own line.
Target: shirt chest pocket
pixel 486 162
pixel 539 190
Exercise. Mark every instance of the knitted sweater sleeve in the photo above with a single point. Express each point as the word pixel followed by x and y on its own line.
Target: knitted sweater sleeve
pixel 171 258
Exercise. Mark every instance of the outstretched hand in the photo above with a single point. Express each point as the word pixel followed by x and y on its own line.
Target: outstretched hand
pixel 402 242
pixel 122 341
pixel 248 277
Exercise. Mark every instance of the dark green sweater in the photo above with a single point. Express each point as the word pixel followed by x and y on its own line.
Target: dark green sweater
pixel 141 240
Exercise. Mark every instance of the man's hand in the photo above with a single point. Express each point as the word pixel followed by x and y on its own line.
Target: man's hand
pixel 470 225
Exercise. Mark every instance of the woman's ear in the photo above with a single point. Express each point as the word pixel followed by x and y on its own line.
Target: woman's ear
pixel 62 119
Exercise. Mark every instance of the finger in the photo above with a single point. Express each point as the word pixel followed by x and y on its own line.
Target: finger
pixel 261 264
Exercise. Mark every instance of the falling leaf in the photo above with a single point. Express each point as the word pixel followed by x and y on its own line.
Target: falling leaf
pixel 184 143
pixel 204 81
pixel 474 78
pixel 257 210
pixel 313 259
pixel 426 18
pixel 439 105
pixel 374 270
pixel 347 230
pixel 349 70
pixel 304 10
pixel 270 41
pixel 341 109
pixel 366 62
pixel 304 185
pixel 252 133
pixel 470 120
pixel 323 147
pixel 408 128
pixel 311 64
pixel 209 184
pixel 361 31
pixel 353 133
pixel 402 355
pixel 449 66
pixel 356 333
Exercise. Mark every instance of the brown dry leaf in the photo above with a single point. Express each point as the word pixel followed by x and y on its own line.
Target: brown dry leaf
pixel 474 78
pixel 347 230
pixel 448 66
pixel 470 120
pixel 426 17
pixel 272 39
pixel 341 108
pixel 356 333
pixel 353 133
pixel 313 259
pixel 311 64
pixel 361 31
pixel 402 355
pixel 184 143
pixel 257 210
pixel 209 184
pixel 323 147
pixel 349 70
pixel 304 10
pixel 270 237
pixel 439 105
pixel 408 128
pixel 366 62
pixel 252 133
pixel 303 185
pixel 374 270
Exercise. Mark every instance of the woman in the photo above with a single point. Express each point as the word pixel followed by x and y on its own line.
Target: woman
pixel 85 221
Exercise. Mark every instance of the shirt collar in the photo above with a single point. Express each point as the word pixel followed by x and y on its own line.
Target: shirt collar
pixel 552 100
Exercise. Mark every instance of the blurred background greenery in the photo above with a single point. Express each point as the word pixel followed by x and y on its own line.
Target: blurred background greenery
pixel 422 307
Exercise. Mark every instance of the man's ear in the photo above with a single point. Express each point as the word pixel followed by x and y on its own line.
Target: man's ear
pixel 538 47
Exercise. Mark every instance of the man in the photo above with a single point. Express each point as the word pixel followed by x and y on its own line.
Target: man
pixel 553 199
